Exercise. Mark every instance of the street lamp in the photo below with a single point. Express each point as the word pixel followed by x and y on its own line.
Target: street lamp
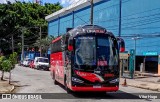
pixel 135 42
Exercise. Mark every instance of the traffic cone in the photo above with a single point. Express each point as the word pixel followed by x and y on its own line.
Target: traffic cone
pixel 125 82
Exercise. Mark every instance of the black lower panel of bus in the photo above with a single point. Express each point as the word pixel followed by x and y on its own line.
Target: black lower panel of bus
pixel 109 82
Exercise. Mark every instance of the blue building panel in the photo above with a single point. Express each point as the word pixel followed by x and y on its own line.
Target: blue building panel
pixel 141 17
pixel 82 17
pixel 106 14
pixel 53 28
pixel 65 22
pixel 138 18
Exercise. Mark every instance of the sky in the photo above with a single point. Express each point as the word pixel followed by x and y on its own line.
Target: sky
pixel 64 3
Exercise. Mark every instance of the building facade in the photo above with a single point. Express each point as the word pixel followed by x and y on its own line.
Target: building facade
pixel 136 21
pixel 138 18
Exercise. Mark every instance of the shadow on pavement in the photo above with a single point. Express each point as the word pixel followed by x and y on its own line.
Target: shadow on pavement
pixel 100 95
pixel 21 85
pixel 108 95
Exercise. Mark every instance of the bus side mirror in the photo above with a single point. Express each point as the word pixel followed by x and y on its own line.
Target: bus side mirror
pixel 121 44
pixel 70 47
pixel 122 49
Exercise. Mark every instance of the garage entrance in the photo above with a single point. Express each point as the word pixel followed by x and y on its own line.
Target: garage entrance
pixel 149 64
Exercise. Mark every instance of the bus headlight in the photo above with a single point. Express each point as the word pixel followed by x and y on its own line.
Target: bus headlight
pixel 77 80
pixel 114 81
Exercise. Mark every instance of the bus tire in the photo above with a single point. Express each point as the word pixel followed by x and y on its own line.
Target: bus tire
pixel 37 68
pixel 65 84
pixel 55 82
pixel 54 78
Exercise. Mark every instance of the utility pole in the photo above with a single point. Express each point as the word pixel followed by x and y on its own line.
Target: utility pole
pixel 40 33
pixel 91 17
pixel 12 44
pixel 135 56
pixel 135 39
pixel 135 48
pixel 58 25
pixel 22 43
pixel 120 16
pixel 12 53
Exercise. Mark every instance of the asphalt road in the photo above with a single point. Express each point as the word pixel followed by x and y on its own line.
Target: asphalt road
pixel 29 80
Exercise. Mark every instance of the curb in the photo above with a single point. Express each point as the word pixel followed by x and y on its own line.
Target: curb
pixel 13 87
pixel 8 91
pixel 148 88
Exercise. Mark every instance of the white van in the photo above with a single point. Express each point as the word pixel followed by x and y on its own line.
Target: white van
pixel 41 63
pixel 26 62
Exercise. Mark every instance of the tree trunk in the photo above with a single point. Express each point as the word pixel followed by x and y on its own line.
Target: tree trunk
pixel 46 54
pixel 9 77
pixel 2 75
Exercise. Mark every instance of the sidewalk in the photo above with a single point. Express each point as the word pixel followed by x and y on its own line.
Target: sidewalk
pixel 150 83
pixel 5 87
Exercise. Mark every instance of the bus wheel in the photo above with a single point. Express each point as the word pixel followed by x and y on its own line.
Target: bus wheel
pixel 55 81
pixel 65 84
pixel 37 67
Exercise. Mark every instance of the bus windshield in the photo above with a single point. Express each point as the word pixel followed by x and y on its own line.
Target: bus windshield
pixel 95 51
pixel 85 51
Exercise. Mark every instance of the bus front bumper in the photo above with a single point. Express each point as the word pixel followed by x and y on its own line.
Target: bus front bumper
pixel 102 89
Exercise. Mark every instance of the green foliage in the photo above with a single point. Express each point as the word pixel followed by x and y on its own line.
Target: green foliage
pixel 11 62
pixel 13 59
pixel 2 58
pixel 44 43
pixel 28 15
pixel 6 65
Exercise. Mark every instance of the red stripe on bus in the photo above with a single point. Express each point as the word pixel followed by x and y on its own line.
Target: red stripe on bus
pixel 107 89
pixel 88 76
pixel 57 39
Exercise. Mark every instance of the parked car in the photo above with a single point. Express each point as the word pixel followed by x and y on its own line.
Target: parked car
pixel 20 63
pixel 41 63
pixel 26 62
pixel 31 64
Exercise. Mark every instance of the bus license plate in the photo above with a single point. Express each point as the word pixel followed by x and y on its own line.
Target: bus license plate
pixel 97 86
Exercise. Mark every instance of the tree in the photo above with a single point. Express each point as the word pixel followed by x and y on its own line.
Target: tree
pixel 2 58
pixel 13 60
pixel 44 43
pixel 21 14
pixel 7 66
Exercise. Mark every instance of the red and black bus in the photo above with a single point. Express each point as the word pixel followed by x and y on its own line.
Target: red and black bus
pixel 86 59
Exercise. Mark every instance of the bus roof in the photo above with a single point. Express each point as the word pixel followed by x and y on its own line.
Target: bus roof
pixel 84 30
pixel 89 29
